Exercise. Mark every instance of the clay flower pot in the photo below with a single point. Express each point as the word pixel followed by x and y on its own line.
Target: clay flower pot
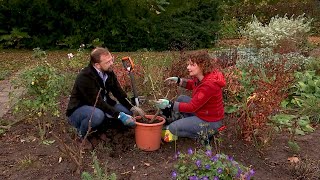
pixel 148 136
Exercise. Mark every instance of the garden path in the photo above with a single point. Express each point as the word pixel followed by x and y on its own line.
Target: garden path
pixel 5 102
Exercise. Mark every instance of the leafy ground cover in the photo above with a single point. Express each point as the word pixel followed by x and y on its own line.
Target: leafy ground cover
pixel 24 155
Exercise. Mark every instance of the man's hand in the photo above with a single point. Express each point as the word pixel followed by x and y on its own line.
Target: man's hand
pixel 173 80
pixel 137 111
pixel 162 103
pixel 126 119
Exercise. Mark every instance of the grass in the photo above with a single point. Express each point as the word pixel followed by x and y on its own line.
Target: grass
pixel 26 161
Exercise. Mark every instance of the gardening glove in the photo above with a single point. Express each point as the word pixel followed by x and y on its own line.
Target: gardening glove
pixel 126 119
pixel 173 80
pixel 137 111
pixel 162 103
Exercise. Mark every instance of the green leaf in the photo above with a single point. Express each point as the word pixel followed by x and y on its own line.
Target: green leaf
pixel 86 176
pixel 230 109
pixel 48 142
pixel 299 132
pixel 302 122
pixel 284 103
pixel 294 146
pixel 307 128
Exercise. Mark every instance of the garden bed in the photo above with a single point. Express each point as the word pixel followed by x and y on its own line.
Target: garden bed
pixel 24 157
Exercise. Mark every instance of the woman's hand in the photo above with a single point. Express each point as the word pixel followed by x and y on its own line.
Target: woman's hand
pixel 172 80
pixel 162 103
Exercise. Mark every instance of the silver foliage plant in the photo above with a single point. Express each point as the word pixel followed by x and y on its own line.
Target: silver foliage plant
pixel 265 39
pixel 278 29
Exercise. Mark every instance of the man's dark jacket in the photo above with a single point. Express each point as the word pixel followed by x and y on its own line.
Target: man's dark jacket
pixel 86 88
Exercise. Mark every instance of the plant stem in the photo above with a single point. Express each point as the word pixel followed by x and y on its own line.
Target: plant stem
pixel 155 116
pixel 143 116
pixel 88 131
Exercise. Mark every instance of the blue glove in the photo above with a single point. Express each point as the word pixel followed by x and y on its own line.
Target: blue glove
pixel 126 119
pixel 174 79
pixel 162 103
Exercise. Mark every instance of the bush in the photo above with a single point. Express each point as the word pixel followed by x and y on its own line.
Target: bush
pixel 279 30
pixel 42 85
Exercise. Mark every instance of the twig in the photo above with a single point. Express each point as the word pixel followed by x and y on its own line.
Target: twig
pixel 68 151
pixel 143 116
pixel 11 124
pixel 155 116
pixel 90 120
pixel 88 131
pixel 152 86
pixel 5 127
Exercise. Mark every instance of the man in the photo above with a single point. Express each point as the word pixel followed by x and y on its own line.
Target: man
pixel 97 77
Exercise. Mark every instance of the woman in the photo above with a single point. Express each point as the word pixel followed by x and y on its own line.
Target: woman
pixel 202 113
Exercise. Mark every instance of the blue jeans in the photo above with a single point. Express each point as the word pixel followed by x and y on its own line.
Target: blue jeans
pixel 80 117
pixel 190 125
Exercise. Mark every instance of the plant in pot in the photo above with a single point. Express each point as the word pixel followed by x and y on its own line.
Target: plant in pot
pixel 149 127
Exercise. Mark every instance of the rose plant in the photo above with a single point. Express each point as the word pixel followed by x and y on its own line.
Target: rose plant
pixel 203 164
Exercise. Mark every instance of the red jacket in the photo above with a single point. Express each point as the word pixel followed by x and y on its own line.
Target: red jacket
pixel 207 101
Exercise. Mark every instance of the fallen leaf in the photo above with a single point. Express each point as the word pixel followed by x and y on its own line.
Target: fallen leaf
pixel 147 164
pixel 60 159
pixel 293 159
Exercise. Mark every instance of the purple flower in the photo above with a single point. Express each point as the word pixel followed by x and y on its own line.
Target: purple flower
pixel 190 151
pixel 207 166
pixel 239 172
pixel 251 172
pixel 198 163
pixel 214 158
pixel 174 175
pixel 176 156
pixel 230 158
pixel 209 153
pixel 193 178
pixel 216 178
pixel 204 178
pixel 219 170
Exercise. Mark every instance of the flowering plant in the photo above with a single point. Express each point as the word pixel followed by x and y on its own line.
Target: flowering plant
pixel 204 165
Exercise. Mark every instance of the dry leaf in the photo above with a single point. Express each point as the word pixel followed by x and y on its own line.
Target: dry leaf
pixel 293 159
pixel 60 159
pixel 147 164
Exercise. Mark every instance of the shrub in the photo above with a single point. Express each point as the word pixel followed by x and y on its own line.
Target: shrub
pixel 42 85
pixel 200 164
pixel 279 30
pixel 77 61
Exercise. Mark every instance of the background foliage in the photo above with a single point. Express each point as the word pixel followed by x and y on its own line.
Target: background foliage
pixel 129 25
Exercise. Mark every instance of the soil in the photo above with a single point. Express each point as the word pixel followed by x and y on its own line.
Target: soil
pixel 146 120
pixel 22 156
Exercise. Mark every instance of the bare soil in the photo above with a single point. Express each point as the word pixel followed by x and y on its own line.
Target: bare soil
pixel 22 156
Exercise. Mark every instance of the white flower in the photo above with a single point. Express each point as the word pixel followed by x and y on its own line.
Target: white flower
pixel 70 55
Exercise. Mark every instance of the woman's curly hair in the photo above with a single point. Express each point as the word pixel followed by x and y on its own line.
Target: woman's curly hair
pixel 202 59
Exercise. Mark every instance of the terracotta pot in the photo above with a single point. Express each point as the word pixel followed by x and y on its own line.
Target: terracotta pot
pixel 148 136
